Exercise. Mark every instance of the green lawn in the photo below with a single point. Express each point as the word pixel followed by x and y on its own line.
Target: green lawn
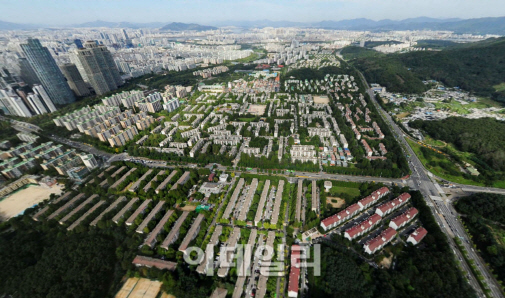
pixel 246 119
pixel 499 184
pixel 484 102
pixel 454 106
pixel 499 87
pixel 481 103
pixel 347 190
pixel 260 186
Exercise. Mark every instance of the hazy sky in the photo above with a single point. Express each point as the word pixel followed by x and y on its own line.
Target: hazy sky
pixel 61 12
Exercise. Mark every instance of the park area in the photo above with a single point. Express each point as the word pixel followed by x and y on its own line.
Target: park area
pixel 341 195
pixel 344 191
pixel 24 198
pixel 335 202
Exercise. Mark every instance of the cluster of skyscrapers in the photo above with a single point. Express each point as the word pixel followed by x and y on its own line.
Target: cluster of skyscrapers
pixel 46 85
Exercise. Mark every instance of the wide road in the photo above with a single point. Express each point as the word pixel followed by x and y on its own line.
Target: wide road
pixel 441 207
pixel 341 177
pixel 80 146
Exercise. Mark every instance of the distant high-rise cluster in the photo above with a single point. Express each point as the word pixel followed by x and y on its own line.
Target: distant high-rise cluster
pixel 19 103
pixel 13 104
pixel 6 78
pixel 39 71
pixel 39 84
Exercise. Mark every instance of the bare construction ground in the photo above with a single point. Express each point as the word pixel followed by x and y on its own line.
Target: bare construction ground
pixel 20 200
pixel 386 262
pixel 257 109
pixel 321 99
pixel 187 208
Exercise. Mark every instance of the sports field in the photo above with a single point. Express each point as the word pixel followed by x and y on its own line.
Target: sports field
pixel 321 99
pixel 139 288
pixel 24 198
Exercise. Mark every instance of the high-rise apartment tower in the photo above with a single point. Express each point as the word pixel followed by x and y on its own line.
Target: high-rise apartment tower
pixel 48 73
pixel 98 64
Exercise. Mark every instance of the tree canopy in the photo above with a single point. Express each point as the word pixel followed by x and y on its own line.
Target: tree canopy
pixel 483 137
pixel 484 216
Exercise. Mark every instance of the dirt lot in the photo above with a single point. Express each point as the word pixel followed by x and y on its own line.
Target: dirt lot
pixel 321 99
pixel 339 204
pixel 386 262
pixel 257 109
pixel 402 115
pixel 20 200
pixel 187 208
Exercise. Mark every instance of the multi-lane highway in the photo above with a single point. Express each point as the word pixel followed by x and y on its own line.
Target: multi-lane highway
pixel 442 208
pixel 80 146
pixel 162 164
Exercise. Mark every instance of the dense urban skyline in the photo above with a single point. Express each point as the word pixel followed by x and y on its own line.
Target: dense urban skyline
pixel 252 149
pixel 209 12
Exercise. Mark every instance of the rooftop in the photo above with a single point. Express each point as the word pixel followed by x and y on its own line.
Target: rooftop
pixel 151 262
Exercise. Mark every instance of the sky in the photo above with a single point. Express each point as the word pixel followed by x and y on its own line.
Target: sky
pixel 67 12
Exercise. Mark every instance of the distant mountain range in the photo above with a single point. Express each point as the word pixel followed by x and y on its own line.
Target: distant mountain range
pixel 106 24
pixel 474 26
pixel 15 26
pixel 183 26
pixel 353 24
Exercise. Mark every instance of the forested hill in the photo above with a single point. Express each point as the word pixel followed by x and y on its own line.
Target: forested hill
pixel 475 67
pixel 386 70
pixel 484 137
